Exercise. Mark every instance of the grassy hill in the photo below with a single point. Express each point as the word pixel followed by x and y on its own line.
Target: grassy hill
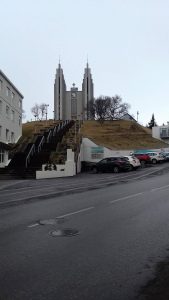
pixel 120 134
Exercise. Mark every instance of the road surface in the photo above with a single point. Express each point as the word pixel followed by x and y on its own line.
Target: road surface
pixel 100 242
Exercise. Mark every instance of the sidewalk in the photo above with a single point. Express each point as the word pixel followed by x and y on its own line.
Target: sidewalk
pixel 4 184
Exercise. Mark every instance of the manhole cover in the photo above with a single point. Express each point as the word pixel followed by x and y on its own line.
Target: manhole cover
pixel 48 222
pixel 64 232
pixel 60 220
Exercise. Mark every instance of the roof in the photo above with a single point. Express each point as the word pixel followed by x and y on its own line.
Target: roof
pixel 127 116
pixel 14 87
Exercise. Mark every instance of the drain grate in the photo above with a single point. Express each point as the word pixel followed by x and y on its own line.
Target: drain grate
pixel 64 232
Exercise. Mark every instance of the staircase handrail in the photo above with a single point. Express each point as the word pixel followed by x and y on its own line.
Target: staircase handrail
pixel 49 135
pixel 54 130
pixel 41 143
pixel 31 151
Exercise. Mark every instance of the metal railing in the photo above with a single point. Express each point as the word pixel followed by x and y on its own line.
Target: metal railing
pixel 41 143
pixel 30 153
pixel 49 136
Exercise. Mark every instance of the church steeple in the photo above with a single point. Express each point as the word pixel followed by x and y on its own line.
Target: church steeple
pixel 59 93
pixel 87 90
pixel 72 104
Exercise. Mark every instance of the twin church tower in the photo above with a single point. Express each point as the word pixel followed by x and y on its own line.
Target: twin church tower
pixel 73 104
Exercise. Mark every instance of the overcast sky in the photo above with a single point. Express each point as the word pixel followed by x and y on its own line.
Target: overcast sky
pixel 126 41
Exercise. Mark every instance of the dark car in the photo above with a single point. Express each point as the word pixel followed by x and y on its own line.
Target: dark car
pixel 111 164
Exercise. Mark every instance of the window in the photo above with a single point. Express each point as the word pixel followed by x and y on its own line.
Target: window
pixel 20 103
pixel 2 154
pixel 13 96
pixel 0 106
pixel 12 137
pixel 7 111
pixel 12 115
pixel 7 135
pixel 8 92
pixel 20 120
pixel 0 85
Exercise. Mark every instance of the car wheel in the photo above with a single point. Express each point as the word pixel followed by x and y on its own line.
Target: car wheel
pixel 131 168
pixel 94 170
pixel 154 161
pixel 116 170
pixel 142 163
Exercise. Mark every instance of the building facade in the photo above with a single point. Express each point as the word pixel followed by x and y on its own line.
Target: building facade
pixel 161 133
pixel 10 116
pixel 73 104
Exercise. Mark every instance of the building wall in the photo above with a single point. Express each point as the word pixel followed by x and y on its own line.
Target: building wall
pixel 59 95
pixel 156 132
pixel 67 106
pixel 161 133
pixel 10 111
pixel 79 105
pixel 68 113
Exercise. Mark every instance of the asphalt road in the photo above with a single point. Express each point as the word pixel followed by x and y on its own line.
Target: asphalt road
pixel 101 242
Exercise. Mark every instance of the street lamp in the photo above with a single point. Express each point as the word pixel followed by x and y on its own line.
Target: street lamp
pixel 46 106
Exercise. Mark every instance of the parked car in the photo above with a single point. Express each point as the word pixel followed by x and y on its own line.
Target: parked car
pixel 165 155
pixel 134 161
pixel 143 158
pixel 156 157
pixel 111 164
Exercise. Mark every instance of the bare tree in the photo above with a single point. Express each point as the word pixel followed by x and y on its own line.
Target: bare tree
pixel 117 108
pixel 39 110
pixel 108 108
pixel 42 108
pixel 101 107
pixel 35 111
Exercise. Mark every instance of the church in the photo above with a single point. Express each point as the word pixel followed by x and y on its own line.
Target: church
pixel 72 104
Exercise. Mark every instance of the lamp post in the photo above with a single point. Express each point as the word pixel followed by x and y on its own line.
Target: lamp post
pixel 46 106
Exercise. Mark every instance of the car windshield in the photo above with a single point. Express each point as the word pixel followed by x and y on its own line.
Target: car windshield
pixel 124 158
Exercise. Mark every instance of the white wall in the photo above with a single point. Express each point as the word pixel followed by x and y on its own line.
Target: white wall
pixel 64 170
pixel 15 105
pixel 156 132
pixel 6 161
pixel 88 145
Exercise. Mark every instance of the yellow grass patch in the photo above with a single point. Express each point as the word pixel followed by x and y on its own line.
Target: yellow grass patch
pixel 120 134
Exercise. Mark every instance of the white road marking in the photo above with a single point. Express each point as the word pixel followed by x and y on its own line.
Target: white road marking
pixel 126 197
pixel 33 225
pixel 66 215
pixel 160 188
pixel 76 212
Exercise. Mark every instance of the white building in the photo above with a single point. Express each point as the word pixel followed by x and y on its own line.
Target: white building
pixel 72 104
pixel 161 133
pixel 10 116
